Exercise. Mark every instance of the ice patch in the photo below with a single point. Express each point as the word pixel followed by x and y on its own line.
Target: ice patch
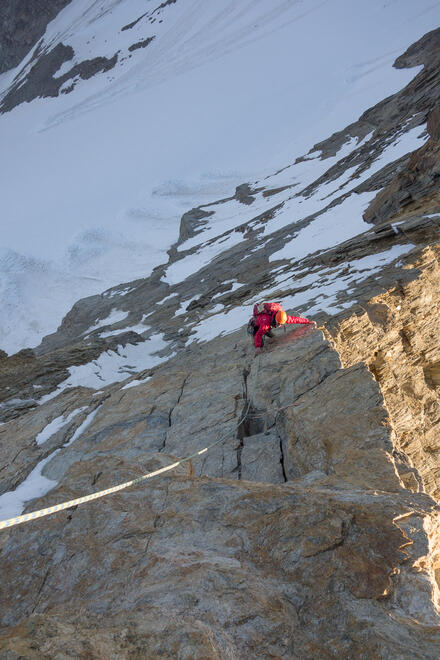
pixel 404 144
pixel 82 427
pixel 219 324
pixel 118 292
pixel 135 383
pixel 115 316
pixel 338 224
pixel 139 328
pixel 48 397
pixel 35 485
pixel 55 425
pixel 114 366
pixel 192 263
pixel 172 295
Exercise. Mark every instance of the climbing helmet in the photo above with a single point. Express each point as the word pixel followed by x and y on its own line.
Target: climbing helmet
pixel 281 317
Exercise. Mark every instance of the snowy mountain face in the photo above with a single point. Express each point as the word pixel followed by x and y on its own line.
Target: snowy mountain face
pixel 125 115
pixel 279 235
pixel 165 166
pixel 323 234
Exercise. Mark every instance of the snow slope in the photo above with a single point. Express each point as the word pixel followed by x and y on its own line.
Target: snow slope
pixel 94 182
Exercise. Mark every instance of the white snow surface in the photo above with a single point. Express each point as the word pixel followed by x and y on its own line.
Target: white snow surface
pixel 139 328
pixel 94 182
pixel 185 304
pixel 35 485
pixel 13 502
pixel 185 267
pixel 56 425
pixel 343 221
pixel 135 383
pixel 114 366
pixel 82 427
pixel 330 227
pixel 115 316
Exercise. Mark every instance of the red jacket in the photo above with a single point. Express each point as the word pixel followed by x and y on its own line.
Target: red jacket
pixel 264 323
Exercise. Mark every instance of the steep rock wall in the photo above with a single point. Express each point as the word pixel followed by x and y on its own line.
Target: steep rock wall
pixel 416 186
pixel 397 336
pixel 295 538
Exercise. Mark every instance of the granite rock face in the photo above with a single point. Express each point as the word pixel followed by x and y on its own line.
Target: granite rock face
pixel 293 538
pixel 397 336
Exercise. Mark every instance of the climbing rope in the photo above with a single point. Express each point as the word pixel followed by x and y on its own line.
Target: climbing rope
pixel 272 411
pixel 11 522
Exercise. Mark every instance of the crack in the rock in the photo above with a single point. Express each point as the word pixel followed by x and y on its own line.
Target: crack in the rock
pixel 131 535
pixel 337 544
pixel 40 590
pixel 177 401
pixel 96 477
pixel 403 466
pixel 241 429
pixel 216 424
pixel 170 413
pixel 310 389
pixel 18 454
pixel 70 513
pixel 283 467
pixel 157 518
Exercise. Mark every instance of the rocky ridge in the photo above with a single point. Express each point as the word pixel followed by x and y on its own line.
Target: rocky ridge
pixel 415 187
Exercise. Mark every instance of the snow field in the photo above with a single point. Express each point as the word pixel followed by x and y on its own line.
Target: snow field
pixel 115 316
pixel 331 227
pixel 114 366
pixel 85 175
pixel 12 503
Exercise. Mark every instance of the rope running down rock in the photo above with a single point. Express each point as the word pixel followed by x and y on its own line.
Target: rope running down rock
pixel 11 522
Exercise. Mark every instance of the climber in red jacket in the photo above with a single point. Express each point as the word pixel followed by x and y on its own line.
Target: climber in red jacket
pixel 267 316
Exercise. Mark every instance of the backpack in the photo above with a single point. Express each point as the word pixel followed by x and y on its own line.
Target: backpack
pixel 251 327
pixel 270 308
pixel 259 308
